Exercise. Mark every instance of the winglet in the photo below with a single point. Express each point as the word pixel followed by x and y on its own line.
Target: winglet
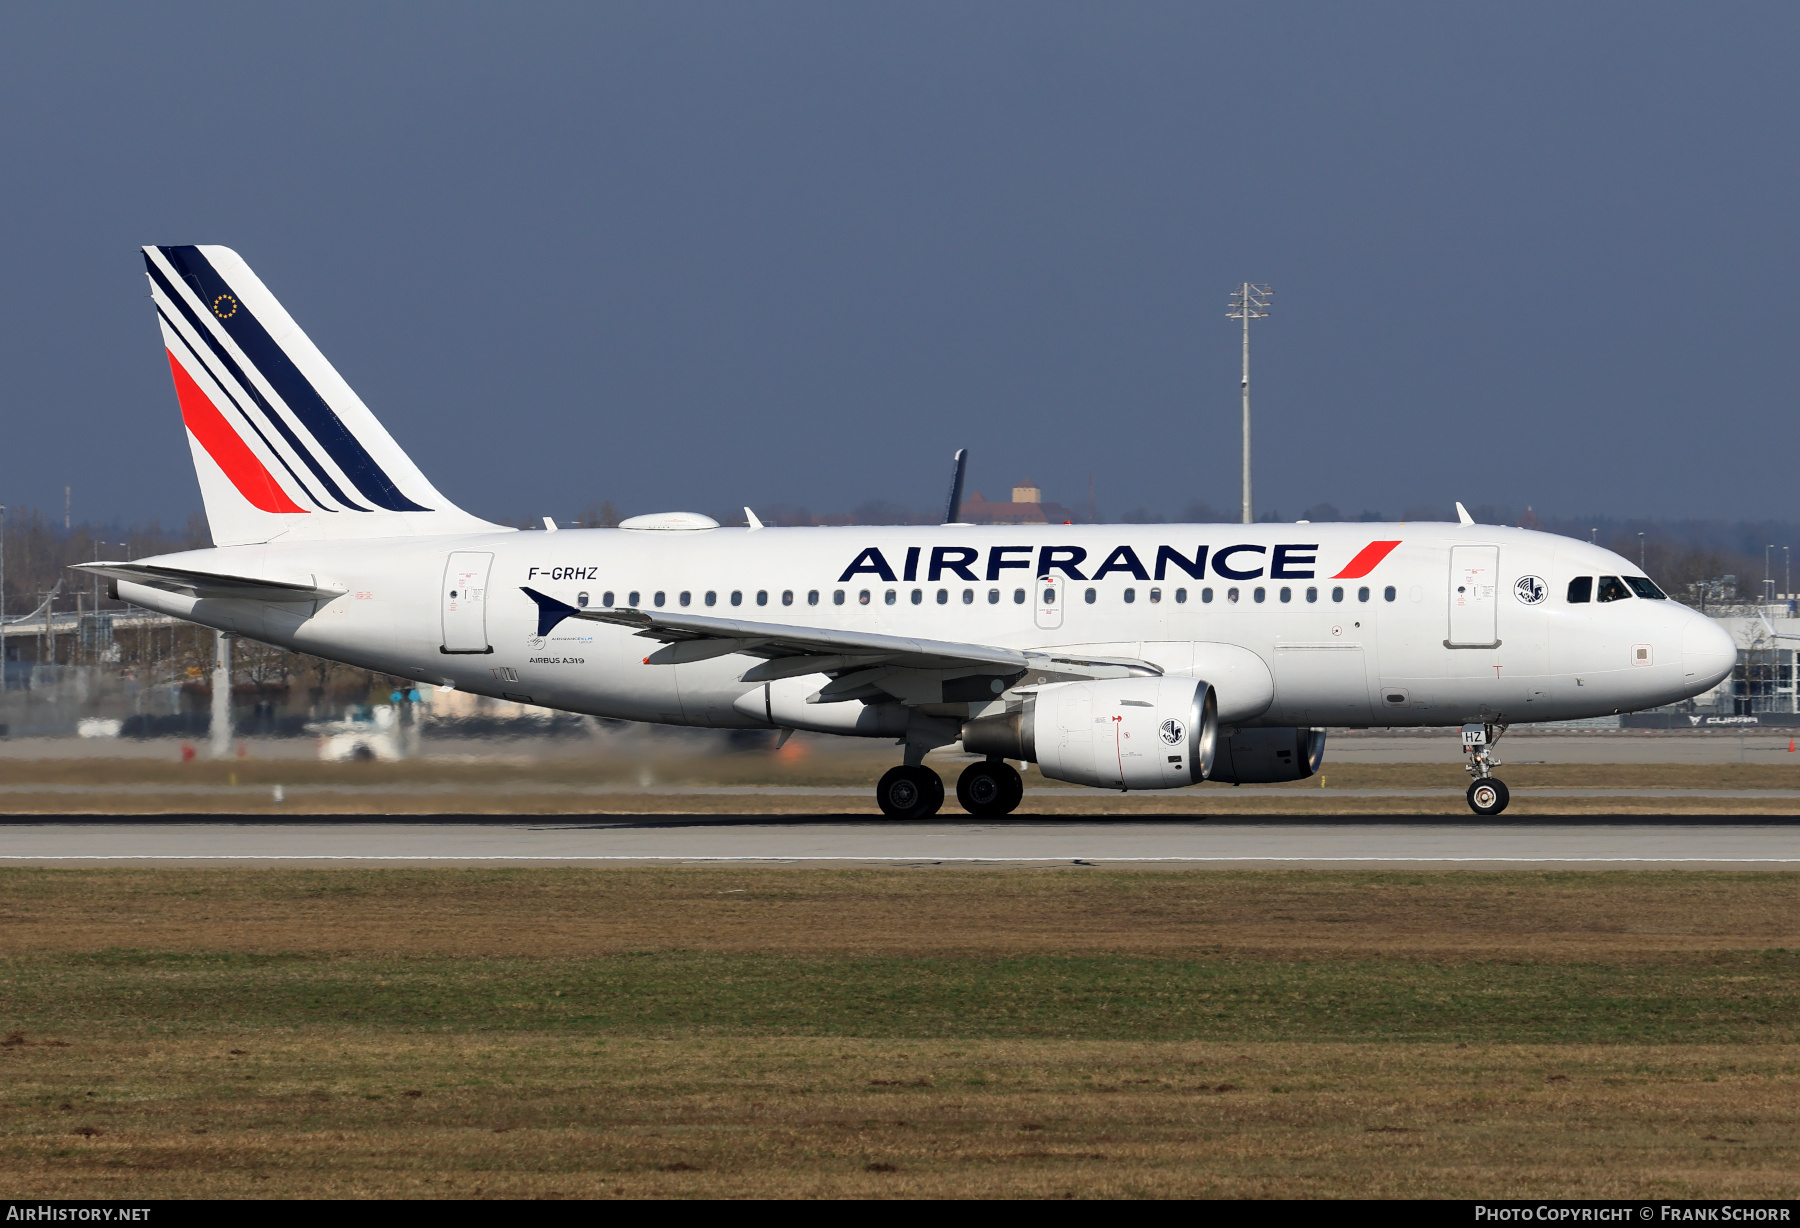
pixel 751 520
pixel 1462 515
pixel 550 610
pixel 953 506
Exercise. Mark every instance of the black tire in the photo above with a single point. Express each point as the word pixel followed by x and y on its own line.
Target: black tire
pixel 910 793
pixel 1488 797
pixel 989 789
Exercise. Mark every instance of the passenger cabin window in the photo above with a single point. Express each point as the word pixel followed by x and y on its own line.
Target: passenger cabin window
pixel 762 596
pixel 1645 589
pixel 837 597
pixel 633 602
pixel 1018 596
pixel 968 596
pixel 1337 594
pixel 1362 594
pixel 862 598
pixel 812 598
pixel 687 599
pixel 1181 596
pixel 1155 596
pixel 658 599
pixel 581 599
pixel 787 597
pixel 943 596
pixel 889 597
pixel 606 600
pixel 1581 590
pixel 1231 595
pixel 993 596
pixel 1612 589
pixel 1130 595
pixel 1259 595
pixel 1388 593
pixel 712 598
pixel 737 597
pixel 1287 594
pixel 1312 595
pixel 1089 596
pixel 918 596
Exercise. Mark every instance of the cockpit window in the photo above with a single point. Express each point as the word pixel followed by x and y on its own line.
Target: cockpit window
pixel 1612 589
pixel 1581 590
pixel 1642 587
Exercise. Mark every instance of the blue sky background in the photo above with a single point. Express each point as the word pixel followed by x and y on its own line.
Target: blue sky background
pixel 695 256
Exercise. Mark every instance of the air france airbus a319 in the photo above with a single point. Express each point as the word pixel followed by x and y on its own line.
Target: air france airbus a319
pixel 1116 656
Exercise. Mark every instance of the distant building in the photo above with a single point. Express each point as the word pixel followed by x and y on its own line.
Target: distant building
pixel 1027 507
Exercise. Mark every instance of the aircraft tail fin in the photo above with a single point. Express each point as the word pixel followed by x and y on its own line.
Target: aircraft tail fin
pixel 282 446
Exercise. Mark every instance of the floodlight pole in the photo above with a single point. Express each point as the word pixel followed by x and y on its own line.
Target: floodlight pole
pixel 1249 301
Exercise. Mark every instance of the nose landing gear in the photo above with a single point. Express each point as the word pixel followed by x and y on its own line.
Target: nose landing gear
pixel 1487 796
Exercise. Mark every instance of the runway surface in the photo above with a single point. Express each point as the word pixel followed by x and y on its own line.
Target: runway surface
pixel 1362 841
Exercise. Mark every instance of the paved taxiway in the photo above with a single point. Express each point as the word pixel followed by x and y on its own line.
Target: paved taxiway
pixel 1596 842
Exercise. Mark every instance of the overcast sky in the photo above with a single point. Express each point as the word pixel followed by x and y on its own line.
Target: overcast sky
pixel 688 256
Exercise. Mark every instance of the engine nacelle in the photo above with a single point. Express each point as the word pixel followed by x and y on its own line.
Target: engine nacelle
pixel 1268 756
pixel 1115 733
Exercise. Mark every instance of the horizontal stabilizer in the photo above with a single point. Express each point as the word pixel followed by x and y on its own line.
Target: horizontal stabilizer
pixel 210 584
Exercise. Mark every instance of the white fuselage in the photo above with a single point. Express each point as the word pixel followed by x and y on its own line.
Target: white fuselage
pixel 1426 637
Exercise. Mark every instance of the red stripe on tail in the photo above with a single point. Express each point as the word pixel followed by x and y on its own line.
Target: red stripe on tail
pixel 1366 560
pixel 227 449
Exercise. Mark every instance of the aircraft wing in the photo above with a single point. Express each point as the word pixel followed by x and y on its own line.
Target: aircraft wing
pixel 209 584
pixel 791 651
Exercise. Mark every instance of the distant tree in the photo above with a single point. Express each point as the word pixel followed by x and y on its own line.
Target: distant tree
pixel 1322 513
pixel 1199 511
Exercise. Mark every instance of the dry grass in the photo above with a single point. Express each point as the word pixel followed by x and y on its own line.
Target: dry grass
pixel 344 1114
pixel 570 913
pixel 807 1032
pixel 574 786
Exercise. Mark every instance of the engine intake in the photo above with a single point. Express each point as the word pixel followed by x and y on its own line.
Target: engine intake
pixel 1269 756
pixel 1115 733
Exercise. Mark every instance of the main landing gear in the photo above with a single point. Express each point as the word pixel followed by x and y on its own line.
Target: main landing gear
pixel 911 791
pixel 987 789
pixel 990 789
pixel 1487 796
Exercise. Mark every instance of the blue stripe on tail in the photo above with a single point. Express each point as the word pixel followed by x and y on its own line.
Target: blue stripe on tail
pixel 293 387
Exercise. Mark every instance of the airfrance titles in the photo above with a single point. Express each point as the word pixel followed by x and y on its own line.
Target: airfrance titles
pixel 1246 562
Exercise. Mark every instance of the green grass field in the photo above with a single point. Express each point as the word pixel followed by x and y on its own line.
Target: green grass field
pixel 926 1032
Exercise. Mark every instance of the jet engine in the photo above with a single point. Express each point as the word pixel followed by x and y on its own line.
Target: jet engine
pixel 1268 756
pixel 1115 733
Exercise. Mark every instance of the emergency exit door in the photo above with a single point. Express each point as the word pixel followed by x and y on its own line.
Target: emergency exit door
pixel 1050 594
pixel 465 601
pixel 1474 606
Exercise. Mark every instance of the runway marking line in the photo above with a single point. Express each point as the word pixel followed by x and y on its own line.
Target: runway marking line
pixel 16 857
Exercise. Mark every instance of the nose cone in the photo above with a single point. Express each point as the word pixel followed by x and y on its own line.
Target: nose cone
pixel 1708 654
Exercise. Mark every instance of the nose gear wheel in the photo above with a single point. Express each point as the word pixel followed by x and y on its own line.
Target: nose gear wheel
pixel 1488 797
